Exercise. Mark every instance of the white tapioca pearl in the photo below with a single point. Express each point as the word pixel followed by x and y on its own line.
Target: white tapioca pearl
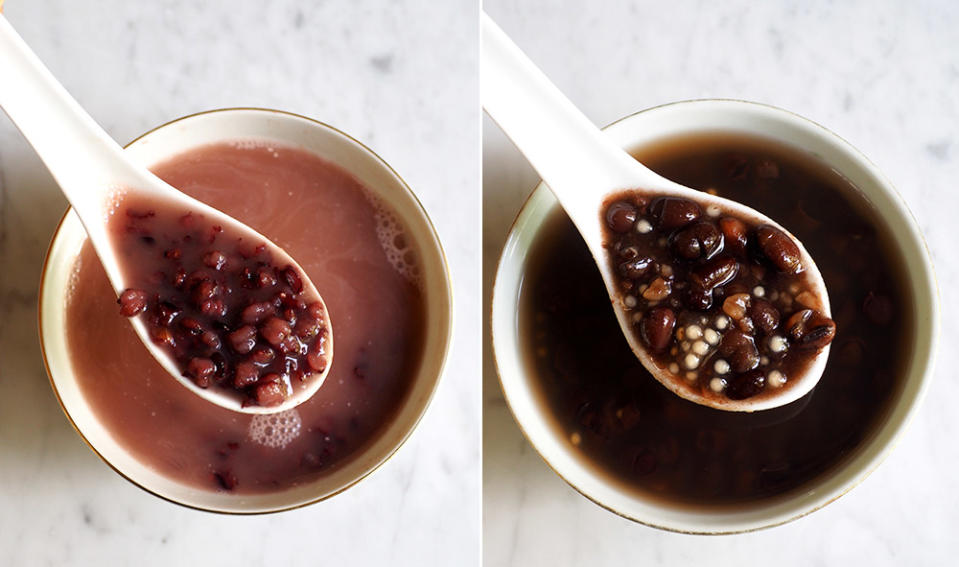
pixel 717 384
pixel 691 361
pixel 713 211
pixel 629 301
pixel 685 345
pixel 637 317
pixel 776 379
pixel 711 336
pixel 575 438
pixel 763 360
pixel 694 332
pixel 666 270
pixel 642 288
pixel 700 348
pixel 674 351
pixel 721 366
pixel 674 368
pixel 777 343
pixel 643 226
pixel 691 376
pixel 759 291
pixel 721 322
pixel 703 320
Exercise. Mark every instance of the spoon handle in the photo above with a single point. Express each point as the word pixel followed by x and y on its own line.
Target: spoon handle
pixel 70 143
pixel 577 161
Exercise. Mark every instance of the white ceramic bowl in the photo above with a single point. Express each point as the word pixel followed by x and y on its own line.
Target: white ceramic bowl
pixel 693 117
pixel 331 144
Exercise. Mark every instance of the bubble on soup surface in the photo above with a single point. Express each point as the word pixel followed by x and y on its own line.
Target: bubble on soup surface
pixel 275 430
pixel 394 241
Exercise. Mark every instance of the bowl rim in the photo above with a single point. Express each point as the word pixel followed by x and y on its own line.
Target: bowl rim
pixel 444 351
pixel 927 368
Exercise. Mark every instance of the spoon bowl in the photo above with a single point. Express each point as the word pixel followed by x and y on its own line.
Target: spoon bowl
pixel 95 175
pixel 584 168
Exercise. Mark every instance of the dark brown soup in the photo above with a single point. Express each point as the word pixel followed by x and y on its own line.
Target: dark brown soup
pixel 630 427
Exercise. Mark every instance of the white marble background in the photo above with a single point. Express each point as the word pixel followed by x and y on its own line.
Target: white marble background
pixel 884 75
pixel 398 75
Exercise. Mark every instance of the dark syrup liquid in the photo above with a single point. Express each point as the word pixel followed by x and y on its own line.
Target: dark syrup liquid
pixel 631 428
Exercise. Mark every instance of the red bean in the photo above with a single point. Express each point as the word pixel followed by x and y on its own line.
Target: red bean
pixel 715 273
pixel 743 386
pixel 620 216
pixel 201 371
pixel 133 302
pixel 275 331
pixel 735 235
pixel 293 279
pixel 637 267
pixel 265 277
pixel 256 312
pixel 215 259
pixel 246 375
pixel 809 329
pixel 764 316
pixel 671 212
pixel 270 391
pixel 780 249
pixel 698 240
pixel 739 350
pixel 656 328
pixel 243 339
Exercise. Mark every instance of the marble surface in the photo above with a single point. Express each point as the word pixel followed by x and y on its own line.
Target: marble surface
pixel 403 81
pixel 885 76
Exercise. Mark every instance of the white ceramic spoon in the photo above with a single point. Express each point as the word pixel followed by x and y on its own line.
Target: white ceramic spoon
pixel 583 168
pixel 92 169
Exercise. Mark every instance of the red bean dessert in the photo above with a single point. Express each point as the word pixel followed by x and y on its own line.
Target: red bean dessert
pixel 367 268
pixel 721 302
pixel 629 428
pixel 217 304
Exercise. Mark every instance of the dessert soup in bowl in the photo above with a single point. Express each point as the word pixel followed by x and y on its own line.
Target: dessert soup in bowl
pixel 361 236
pixel 606 427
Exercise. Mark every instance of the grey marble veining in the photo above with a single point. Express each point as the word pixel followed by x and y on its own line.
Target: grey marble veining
pixel 400 76
pixel 883 75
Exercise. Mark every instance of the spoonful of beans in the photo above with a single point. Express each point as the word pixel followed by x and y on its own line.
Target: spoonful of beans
pixel 720 303
pixel 223 309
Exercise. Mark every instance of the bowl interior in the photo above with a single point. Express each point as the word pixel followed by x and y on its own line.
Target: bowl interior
pixel 332 145
pixel 697 117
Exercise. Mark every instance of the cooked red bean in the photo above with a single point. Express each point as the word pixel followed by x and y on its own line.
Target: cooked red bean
pixel 223 311
pixel 133 302
pixel 637 267
pixel 620 216
pixel 670 212
pixel 715 273
pixel 699 240
pixel 271 391
pixel 746 385
pixel 763 315
pixel 735 234
pixel 739 350
pixel 780 249
pixel 657 326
